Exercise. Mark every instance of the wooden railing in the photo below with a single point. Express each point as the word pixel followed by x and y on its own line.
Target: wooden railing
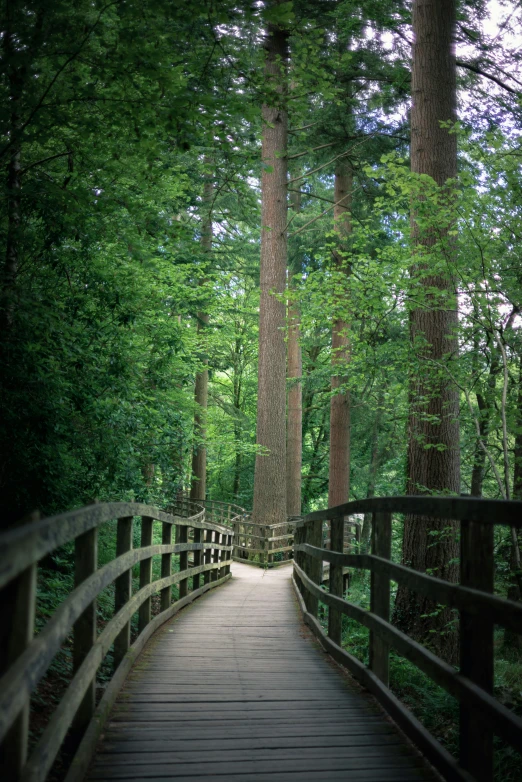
pixel 263 544
pixel 25 658
pixel 481 715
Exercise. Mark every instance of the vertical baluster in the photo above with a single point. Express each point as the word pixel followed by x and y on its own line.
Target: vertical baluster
pixel 215 555
pixel 313 534
pixel 335 618
pixel 123 587
pixel 229 553
pixel 476 648
pixel 183 561
pixel 197 559
pixel 166 565
pixel 145 571
pixel 380 594
pixel 17 604
pixel 208 556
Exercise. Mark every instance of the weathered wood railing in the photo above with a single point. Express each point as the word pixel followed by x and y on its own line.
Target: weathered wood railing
pixel 265 544
pixel 481 715
pixel 26 658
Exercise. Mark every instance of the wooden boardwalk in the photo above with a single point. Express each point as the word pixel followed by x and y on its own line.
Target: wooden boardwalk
pixel 235 688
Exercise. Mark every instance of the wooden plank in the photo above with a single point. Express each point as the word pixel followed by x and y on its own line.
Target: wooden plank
pixel 145 571
pixel 476 649
pixel 235 676
pixel 123 587
pixel 380 594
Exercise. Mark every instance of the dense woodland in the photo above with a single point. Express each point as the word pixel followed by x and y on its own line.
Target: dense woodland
pixel 267 253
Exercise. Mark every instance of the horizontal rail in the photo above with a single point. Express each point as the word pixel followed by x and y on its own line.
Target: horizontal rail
pixel 506 724
pixel 457 508
pixel 28 658
pixel 505 612
pixel 481 715
pixel 24 545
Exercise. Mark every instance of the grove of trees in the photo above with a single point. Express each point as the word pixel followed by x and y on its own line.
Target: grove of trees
pixel 266 253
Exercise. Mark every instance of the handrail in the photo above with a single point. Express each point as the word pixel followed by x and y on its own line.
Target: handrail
pixel 27 657
pixel 481 714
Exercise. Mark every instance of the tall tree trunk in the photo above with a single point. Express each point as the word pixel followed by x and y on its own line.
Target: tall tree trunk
pixel 294 431
pixel 372 473
pixel 198 487
pixel 433 431
pixel 514 640
pixel 270 470
pixel 339 470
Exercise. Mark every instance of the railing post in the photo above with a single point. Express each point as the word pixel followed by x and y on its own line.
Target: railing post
pixel 476 648
pixel 208 556
pixel 166 565
pixel 215 555
pixel 313 535
pixel 123 587
pixel 17 612
pixel 230 539
pixel 85 564
pixel 380 594
pixel 335 618
pixel 183 561
pixel 197 559
pixel 145 572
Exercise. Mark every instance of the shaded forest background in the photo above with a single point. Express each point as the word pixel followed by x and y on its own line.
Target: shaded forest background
pixel 130 236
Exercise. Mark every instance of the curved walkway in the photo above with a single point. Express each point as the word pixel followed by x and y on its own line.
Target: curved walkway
pixel 235 688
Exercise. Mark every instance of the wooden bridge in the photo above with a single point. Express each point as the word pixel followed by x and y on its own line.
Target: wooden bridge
pixel 234 686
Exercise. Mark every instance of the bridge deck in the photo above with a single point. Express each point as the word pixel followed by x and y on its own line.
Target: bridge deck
pixel 234 688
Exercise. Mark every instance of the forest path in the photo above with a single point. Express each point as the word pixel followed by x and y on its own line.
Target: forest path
pixel 235 688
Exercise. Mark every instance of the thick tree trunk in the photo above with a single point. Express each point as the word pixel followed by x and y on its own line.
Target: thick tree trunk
pixel 339 470
pixel 198 488
pixel 270 470
pixel 514 640
pixel 294 430
pixel 433 447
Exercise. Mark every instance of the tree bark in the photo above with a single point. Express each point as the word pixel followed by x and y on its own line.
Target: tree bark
pixel 430 545
pixel 339 469
pixel 514 640
pixel 294 431
pixel 198 488
pixel 269 505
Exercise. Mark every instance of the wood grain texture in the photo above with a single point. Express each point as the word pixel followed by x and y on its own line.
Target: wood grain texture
pixel 234 688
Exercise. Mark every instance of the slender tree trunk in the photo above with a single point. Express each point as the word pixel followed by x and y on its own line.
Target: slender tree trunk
pixel 514 640
pixel 198 488
pixel 372 474
pixel 433 448
pixel 270 470
pixel 237 425
pixel 339 470
pixel 294 432
pixel 484 403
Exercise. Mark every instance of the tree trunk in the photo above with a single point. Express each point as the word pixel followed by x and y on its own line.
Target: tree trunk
pixel 339 470
pixel 372 474
pixel 198 488
pixel 485 404
pixel 294 431
pixel 269 505
pixel 514 640
pixel 433 430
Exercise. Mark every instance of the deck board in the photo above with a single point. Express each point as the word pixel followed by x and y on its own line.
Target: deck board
pixel 234 687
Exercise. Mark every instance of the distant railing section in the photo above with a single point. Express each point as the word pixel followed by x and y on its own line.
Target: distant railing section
pixel 25 658
pixel 481 715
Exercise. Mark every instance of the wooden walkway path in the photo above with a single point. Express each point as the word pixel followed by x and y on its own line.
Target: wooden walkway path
pixel 235 688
